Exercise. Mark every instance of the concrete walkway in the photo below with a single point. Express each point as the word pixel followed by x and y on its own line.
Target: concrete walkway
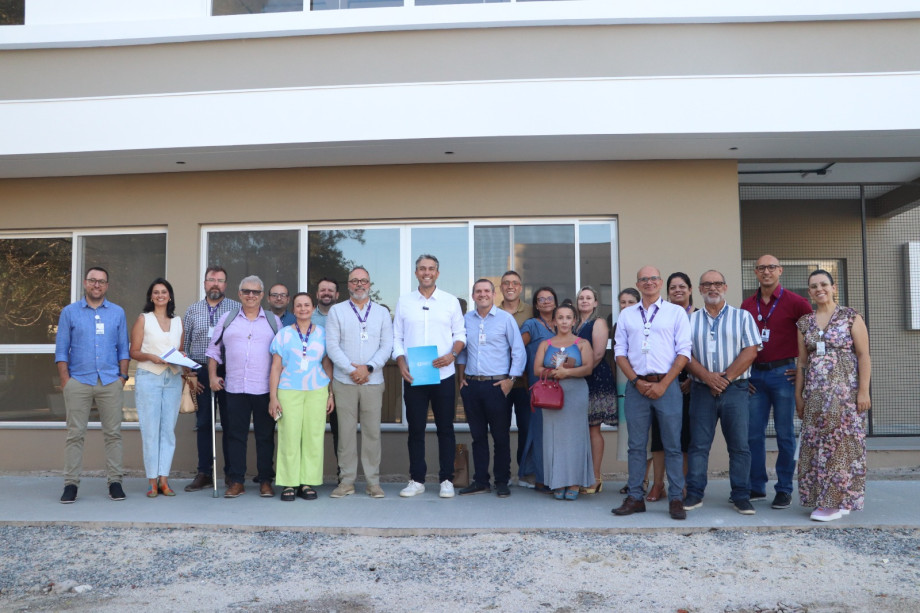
pixel 34 501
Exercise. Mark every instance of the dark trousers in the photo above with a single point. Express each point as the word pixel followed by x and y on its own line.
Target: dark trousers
pixel 441 398
pixel 518 400
pixel 487 410
pixel 203 424
pixel 240 409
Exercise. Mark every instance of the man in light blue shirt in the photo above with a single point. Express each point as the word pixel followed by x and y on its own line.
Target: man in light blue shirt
pixel 725 342
pixel 92 358
pixel 493 358
pixel 359 340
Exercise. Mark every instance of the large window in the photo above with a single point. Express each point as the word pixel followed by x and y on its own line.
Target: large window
pixel 41 275
pixel 562 253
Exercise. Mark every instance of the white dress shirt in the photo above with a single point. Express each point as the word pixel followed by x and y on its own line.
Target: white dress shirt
pixel 421 321
pixel 669 336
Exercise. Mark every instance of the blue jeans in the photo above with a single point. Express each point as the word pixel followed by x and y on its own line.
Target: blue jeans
pixel 531 462
pixel 441 397
pixel 157 398
pixel 519 401
pixel 669 410
pixel 773 389
pixel 732 409
pixel 486 411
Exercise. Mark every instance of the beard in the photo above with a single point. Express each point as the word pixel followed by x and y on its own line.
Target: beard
pixel 215 294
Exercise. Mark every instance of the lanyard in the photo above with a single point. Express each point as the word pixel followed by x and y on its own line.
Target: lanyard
pixel 358 315
pixel 648 324
pixel 772 308
pixel 715 322
pixel 212 313
pixel 304 339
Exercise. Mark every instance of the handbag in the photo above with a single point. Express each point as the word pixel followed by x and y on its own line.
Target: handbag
pixel 546 394
pixel 189 402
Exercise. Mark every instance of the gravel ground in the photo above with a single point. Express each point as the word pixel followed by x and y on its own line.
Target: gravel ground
pixel 818 570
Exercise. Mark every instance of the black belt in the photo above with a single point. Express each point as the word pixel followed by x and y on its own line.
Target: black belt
pixel 774 364
pixel 652 378
pixel 486 378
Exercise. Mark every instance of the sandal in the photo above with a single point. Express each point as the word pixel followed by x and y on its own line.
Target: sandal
pixel 307 493
pixel 559 494
pixel 152 492
pixel 571 493
pixel 657 493
pixel 288 494
pixel 594 489
pixel 166 490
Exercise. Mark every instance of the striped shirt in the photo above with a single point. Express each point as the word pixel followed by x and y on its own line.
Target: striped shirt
pixel 717 341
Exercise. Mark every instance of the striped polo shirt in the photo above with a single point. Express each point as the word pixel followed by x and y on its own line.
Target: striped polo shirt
pixel 717 341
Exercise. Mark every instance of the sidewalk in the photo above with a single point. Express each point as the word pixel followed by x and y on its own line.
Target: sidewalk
pixel 34 501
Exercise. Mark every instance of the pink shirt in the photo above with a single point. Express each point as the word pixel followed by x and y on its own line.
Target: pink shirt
pixel 246 345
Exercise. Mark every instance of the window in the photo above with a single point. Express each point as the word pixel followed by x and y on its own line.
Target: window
pixel 39 277
pixel 272 255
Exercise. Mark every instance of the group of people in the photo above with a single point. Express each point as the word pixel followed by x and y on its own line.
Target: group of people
pixel 686 369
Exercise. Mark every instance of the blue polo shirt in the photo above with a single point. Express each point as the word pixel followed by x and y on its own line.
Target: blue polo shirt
pixel 91 356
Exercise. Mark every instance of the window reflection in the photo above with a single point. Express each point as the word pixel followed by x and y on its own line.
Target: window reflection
pixel 594 258
pixel 451 246
pixel 333 253
pixel 248 7
pixel 272 255
pixel 133 262
pixel 34 287
pixel 545 255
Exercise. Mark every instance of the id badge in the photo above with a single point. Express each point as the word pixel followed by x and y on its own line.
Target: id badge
pixel 645 346
pixel 765 335
pixel 210 332
pixel 304 364
pixel 364 335
pixel 711 347
pixel 100 327
pixel 482 338
pixel 820 348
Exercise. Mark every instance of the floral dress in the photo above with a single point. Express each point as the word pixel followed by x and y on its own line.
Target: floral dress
pixel 832 460
pixel 602 387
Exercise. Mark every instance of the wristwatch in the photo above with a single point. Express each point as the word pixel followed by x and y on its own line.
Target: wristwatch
pixel 370 368
pixel 633 381
pixel 455 354
pixel 123 376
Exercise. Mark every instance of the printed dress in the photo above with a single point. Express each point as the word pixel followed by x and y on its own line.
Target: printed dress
pixel 832 461
pixel 602 389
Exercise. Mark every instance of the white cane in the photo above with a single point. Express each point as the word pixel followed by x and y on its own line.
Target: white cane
pixel 214 443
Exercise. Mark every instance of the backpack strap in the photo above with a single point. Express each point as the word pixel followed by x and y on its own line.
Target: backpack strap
pixel 231 315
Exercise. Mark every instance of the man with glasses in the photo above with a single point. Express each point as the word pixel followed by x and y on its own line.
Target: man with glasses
pixel 245 337
pixel 359 340
pixel 775 310
pixel 278 300
pixel 519 398
pixel 725 342
pixel 200 321
pixel 652 347
pixel 429 316
pixel 91 352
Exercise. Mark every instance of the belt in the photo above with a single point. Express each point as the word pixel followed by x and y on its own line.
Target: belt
pixel 486 377
pixel 652 378
pixel 773 364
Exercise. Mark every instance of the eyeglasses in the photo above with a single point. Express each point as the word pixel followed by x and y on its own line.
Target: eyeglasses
pixel 360 281
pixel 511 284
pixel 546 300
pixel 648 279
pixel 712 284
pixel 251 292
pixel 97 282
pixel 213 280
pixel 765 267
pixel 278 295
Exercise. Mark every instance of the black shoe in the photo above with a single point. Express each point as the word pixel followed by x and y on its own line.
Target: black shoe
pixel 744 507
pixel 692 502
pixel 501 490
pixel 69 495
pixel 782 501
pixel 757 496
pixel 115 491
pixel 476 488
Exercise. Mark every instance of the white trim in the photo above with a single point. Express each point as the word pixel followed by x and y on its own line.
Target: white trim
pixel 27 349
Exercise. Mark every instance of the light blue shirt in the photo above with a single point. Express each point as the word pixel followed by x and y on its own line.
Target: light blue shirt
pixel 318 318
pixel 299 372
pixel 493 344
pixel 717 341
pixel 345 345
pixel 668 337
pixel 91 356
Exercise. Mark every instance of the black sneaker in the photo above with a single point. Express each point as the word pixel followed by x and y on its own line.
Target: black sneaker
pixel 502 490
pixel 782 501
pixel 69 495
pixel 475 488
pixel 744 507
pixel 692 502
pixel 757 496
pixel 115 491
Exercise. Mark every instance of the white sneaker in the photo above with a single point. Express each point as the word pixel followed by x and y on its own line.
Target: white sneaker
pixel 413 489
pixel 447 489
pixel 820 514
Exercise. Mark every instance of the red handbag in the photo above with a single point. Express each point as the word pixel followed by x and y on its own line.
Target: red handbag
pixel 546 394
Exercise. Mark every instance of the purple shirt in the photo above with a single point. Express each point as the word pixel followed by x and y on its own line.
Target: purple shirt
pixel 246 345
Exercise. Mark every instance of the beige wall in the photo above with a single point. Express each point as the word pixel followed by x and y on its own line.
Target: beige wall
pixel 657 205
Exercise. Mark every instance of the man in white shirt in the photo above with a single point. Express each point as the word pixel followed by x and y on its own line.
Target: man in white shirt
pixel 426 317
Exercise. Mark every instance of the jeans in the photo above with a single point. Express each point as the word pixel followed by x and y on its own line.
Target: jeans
pixel 78 400
pixel 731 407
pixel 772 389
pixel 519 401
pixel 531 462
pixel 158 398
pixel 240 408
pixel 441 397
pixel 203 424
pixel 669 410
pixel 487 410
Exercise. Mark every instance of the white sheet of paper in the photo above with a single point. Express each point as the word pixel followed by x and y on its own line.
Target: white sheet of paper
pixel 174 357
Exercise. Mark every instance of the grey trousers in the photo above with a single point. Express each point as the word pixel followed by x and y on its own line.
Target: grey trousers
pixel 354 403
pixel 78 399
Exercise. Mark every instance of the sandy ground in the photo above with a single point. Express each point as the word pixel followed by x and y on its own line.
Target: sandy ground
pixel 819 570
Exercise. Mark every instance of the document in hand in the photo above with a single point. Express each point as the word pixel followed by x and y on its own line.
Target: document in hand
pixel 421 365
pixel 173 356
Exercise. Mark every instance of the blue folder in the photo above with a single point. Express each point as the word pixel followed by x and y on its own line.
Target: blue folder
pixel 420 365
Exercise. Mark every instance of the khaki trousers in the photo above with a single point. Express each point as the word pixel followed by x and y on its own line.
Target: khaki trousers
pixel 354 403
pixel 78 400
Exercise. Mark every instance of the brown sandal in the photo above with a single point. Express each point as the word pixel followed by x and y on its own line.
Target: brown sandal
pixel 657 493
